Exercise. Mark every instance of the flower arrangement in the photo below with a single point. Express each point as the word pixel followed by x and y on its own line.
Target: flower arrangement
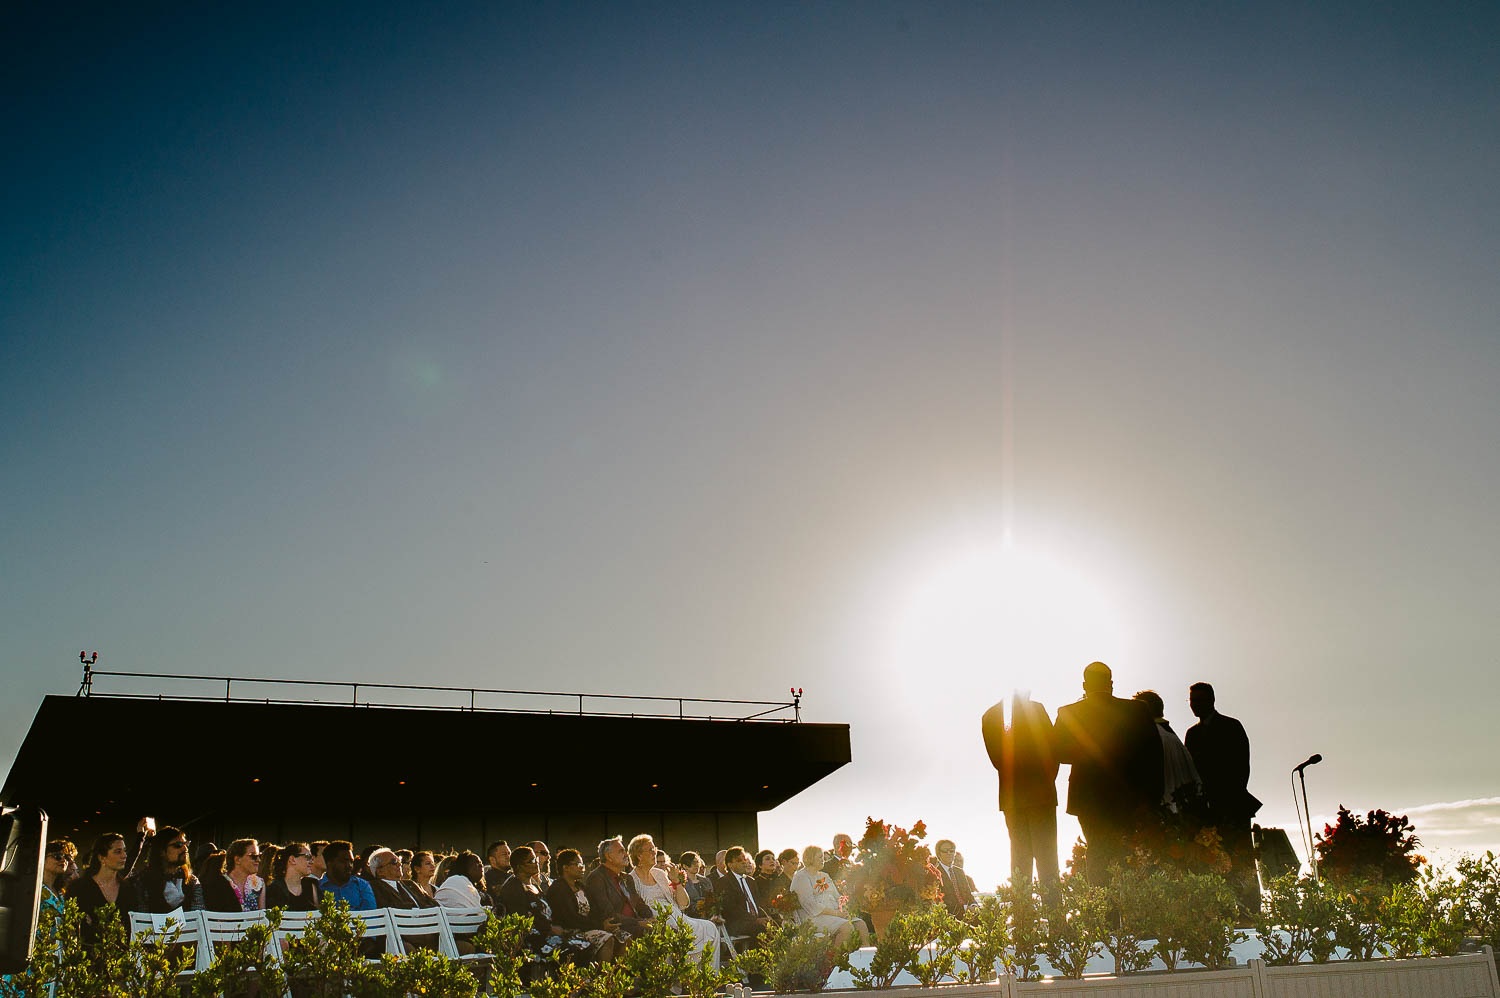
pixel 1380 850
pixel 787 903
pixel 895 869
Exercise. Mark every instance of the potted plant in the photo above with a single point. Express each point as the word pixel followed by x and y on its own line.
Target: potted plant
pixel 895 872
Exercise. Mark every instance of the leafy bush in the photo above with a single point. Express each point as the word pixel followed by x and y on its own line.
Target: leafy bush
pixel 1424 917
pixel 796 958
pixel 661 965
pixel 1297 919
pixel 1027 932
pixel 988 929
pixel 1211 910
pixel 112 967
pixel 1357 926
pixel 1479 894
pixel 242 968
pixel 1077 926
pixel 900 949
pixel 1135 898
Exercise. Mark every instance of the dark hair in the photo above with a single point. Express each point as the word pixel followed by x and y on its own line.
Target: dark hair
pixel 467 864
pixel 284 856
pixel 156 852
pixel 689 858
pixel 363 866
pixel 495 845
pixel 940 843
pixel 405 856
pixel 213 863
pixel 734 854
pixel 760 857
pixel 268 851
pixel 787 854
pixel 1153 702
pixel 202 851
pixel 62 846
pixel 102 845
pixel 338 847
pixel 317 846
pixel 539 847
pixel 416 858
pixel 521 855
pixel 1204 688
pixel 567 857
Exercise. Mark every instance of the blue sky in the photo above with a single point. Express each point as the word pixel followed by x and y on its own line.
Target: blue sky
pixel 712 349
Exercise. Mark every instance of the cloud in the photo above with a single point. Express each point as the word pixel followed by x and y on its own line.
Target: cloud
pixel 1448 828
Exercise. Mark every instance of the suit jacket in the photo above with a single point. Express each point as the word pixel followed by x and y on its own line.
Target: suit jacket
pixel 735 907
pixel 1022 755
pixel 607 898
pixel 957 895
pixel 1115 753
pixel 1221 752
pixel 413 896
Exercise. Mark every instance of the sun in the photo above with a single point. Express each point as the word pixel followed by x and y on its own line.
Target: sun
pixel 981 613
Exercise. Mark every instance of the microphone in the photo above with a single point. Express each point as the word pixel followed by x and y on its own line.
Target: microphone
pixel 1312 760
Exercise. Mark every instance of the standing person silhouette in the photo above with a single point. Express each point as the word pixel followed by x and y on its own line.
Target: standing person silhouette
pixel 1021 752
pixel 1116 762
pixel 1221 751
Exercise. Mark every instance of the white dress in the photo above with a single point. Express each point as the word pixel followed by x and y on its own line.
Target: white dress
pixel 819 900
pixel 658 892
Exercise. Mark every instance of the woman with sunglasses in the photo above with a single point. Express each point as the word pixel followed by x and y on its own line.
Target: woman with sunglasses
pixel 292 885
pixel 244 861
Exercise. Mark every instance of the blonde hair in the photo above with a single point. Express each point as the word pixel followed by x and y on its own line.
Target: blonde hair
pixel 809 853
pixel 640 844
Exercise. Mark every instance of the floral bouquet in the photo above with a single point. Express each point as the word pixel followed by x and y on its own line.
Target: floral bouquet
pixel 787 904
pixel 895 869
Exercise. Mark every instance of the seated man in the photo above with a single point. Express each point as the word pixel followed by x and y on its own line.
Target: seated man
pixel 389 889
pixel 613 900
pixel 340 880
pixel 742 916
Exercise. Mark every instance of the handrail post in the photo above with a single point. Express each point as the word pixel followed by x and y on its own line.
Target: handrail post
pixel 227 681
pixel 679 708
pixel 580 705
pixel 356 694
pixel 471 700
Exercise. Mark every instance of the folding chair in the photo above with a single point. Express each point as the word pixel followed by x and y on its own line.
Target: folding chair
pixel 378 926
pixel 466 921
pixel 188 926
pixel 221 927
pixel 408 922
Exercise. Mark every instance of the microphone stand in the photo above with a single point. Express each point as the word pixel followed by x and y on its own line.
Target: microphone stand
pixel 1312 850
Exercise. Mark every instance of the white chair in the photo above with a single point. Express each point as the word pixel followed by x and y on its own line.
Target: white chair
pixel 227 927
pixel 467 921
pixel 187 925
pixel 377 924
pixel 407 922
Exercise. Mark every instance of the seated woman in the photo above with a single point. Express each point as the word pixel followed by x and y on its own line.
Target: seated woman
pixel 657 888
pixel 818 900
pixel 520 895
pixel 100 883
pixel 768 880
pixel 570 908
pixel 700 890
pixel 457 890
pixel 244 874
pixel 423 869
pixel 292 885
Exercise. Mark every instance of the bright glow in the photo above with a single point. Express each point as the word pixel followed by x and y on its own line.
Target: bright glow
pixel 982 616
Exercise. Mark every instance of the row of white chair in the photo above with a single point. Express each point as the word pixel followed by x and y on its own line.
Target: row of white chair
pixel 203 930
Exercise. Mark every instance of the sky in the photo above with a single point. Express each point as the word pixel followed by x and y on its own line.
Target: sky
pixel 907 353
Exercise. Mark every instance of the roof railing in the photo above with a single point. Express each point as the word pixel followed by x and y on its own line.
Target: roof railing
pixel 576 703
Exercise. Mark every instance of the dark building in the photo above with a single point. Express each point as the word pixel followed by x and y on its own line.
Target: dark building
pixel 412 776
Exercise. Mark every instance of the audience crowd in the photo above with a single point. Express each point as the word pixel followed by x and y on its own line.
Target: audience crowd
pixel 588 909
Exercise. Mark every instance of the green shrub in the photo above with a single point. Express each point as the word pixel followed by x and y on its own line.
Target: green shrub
pixel 242 968
pixel 1077 926
pixel 988 930
pixel 1297 919
pixel 899 948
pixel 1357 926
pixel 1479 894
pixel 1027 932
pixel 1134 900
pixel 1211 911
pixel 1425 917
pixel 795 958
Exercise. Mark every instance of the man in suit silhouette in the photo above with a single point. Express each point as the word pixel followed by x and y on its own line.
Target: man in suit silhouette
pixel 614 902
pixel 1221 753
pixel 742 916
pixel 1021 752
pixel 1116 777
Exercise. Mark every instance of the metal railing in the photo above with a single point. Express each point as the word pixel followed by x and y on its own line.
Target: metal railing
pixel 577 704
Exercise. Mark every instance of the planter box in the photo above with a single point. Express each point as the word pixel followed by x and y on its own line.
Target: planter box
pixel 1469 975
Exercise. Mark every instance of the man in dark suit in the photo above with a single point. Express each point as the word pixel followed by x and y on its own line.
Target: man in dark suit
pixel 957 895
pixel 390 890
pixel 614 902
pixel 497 868
pixel 742 916
pixel 1221 753
pixel 1116 775
pixel 1021 752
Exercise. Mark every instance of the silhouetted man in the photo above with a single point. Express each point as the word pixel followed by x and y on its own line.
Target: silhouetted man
pixel 1116 773
pixel 1021 752
pixel 1221 752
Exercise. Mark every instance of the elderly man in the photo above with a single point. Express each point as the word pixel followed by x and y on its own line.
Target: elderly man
pixel 614 902
pixel 390 888
pixel 957 895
